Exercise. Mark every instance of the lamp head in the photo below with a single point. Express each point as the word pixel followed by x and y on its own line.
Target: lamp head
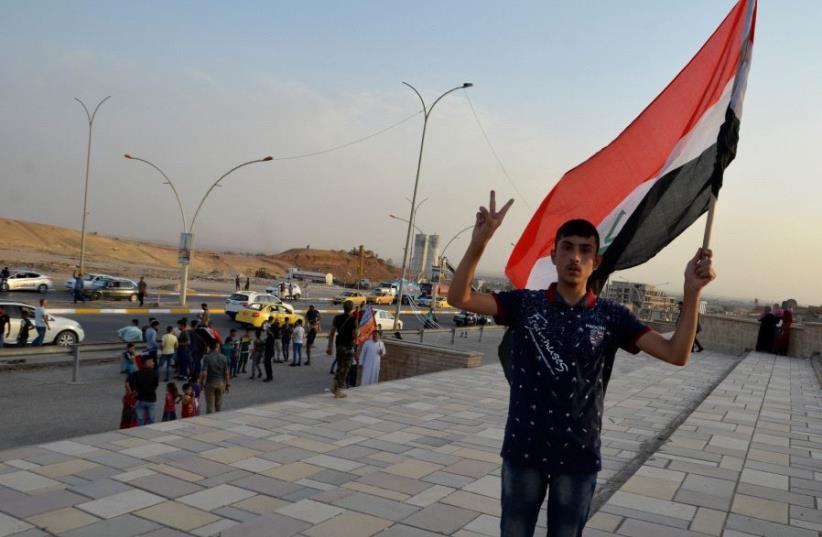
pixel 468 85
pixel 266 159
pixel 127 156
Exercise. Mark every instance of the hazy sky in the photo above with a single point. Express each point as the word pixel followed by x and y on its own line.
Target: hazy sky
pixel 198 87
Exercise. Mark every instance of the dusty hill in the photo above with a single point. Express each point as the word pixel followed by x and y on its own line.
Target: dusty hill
pixel 56 249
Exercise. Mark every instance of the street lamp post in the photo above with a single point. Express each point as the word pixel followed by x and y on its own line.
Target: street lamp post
pixel 440 263
pixel 427 113
pixel 90 116
pixel 187 236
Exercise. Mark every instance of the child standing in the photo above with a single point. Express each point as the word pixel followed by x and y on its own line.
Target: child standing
pixel 188 402
pixel 172 398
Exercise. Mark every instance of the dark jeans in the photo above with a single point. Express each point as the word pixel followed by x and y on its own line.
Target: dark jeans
pixel 41 334
pixel 182 361
pixel 345 355
pixel 523 490
pixel 298 354
pixel 286 345
pixel 166 359
pixel 269 372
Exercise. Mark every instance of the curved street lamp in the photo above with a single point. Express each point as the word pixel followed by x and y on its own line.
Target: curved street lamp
pixel 440 263
pixel 427 113
pixel 187 236
pixel 90 116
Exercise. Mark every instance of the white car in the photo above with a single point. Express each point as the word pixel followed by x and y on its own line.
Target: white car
pixel 242 299
pixel 63 331
pixel 294 294
pixel 385 320
pixel 27 281
pixel 90 281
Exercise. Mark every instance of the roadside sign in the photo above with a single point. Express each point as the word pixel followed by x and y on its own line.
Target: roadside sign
pixel 184 253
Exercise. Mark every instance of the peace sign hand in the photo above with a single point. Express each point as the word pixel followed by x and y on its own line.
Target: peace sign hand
pixel 488 220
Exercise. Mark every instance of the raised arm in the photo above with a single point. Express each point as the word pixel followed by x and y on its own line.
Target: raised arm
pixel 460 293
pixel 698 273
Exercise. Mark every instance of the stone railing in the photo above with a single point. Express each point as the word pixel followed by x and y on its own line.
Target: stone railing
pixel 407 359
pixel 732 335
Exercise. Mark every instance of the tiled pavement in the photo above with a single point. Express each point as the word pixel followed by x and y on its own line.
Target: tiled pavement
pixel 418 458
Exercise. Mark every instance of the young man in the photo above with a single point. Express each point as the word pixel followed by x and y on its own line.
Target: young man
pixel 144 382
pixel 168 347
pixel 41 322
pixel 563 342
pixel 214 377
pixel 344 327
pixel 131 333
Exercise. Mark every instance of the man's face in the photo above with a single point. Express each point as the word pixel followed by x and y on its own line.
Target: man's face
pixel 575 258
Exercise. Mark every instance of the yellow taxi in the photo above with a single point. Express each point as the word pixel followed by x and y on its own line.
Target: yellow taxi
pixel 381 298
pixel 257 313
pixel 355 297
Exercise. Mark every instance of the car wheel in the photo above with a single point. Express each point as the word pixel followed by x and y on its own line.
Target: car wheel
pixel 42 288
pixel 297 296
pixel 132 298
pixel 96 296
pixel 66 338
pixel 4 287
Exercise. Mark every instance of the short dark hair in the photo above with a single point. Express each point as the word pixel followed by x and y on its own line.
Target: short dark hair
pixel 578 228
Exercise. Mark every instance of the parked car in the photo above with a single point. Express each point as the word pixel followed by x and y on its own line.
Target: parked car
pixel 113 289
pixel 469 318
pixel 380 298
pixel 242 299
pixel 364 283
pixel 383 290
pixel 385 320
pixel 90 280
pixel 63 331
pixel 294 294
pixel 427 301
pixel 256 314
pixel 27 281
pixel 355 297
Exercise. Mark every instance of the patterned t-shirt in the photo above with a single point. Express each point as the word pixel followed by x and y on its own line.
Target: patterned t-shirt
pixel 561 360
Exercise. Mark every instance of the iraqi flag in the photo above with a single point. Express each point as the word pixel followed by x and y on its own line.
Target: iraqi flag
pixel 658 176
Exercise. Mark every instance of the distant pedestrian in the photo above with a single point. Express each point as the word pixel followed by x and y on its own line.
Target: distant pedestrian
pixel 371 354
pixel 41 322
pixel 196 349
pixel 131 333
pixel 767 331
pixel 310 336
pixel 152 343
pixel 282 289
pixel 5 326
pixel 142 290
pixel 312 317
pixel 276 334
pixel 257 351
pixel 170 406
pixel 342 336
pixel 286 339
pixel 25 328
pixel 205 317
pixel 268 352
pixel 237 282
pixel 214 379
pixel 783 339
pixel 129 359
pixel 188 403
pixel 78 289
pixel 183 350
pixel 144 383
pixel 168 347
pixel 4 275
pixel 247 283
pixel 245 349
pixel 290 290
pixel 231 351
pixel 298 338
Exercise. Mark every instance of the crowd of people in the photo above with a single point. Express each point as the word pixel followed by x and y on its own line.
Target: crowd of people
pixel 774 330
pixel 195 353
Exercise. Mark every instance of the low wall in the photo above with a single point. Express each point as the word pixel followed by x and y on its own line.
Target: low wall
pixel 407 359
pixel 734 336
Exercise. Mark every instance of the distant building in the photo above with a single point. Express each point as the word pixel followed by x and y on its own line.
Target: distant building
pixel 433 255
pixel 419 258
pixel 648 302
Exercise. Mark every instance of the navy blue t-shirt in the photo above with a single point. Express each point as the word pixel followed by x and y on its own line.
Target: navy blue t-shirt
pixel 561 359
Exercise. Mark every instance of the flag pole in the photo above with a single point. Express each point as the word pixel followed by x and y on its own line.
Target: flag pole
pixel 709 224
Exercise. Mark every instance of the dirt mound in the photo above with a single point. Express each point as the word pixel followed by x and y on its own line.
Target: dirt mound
pixel 56 249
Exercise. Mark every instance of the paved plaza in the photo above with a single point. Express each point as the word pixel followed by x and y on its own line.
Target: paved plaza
pixel 726 446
